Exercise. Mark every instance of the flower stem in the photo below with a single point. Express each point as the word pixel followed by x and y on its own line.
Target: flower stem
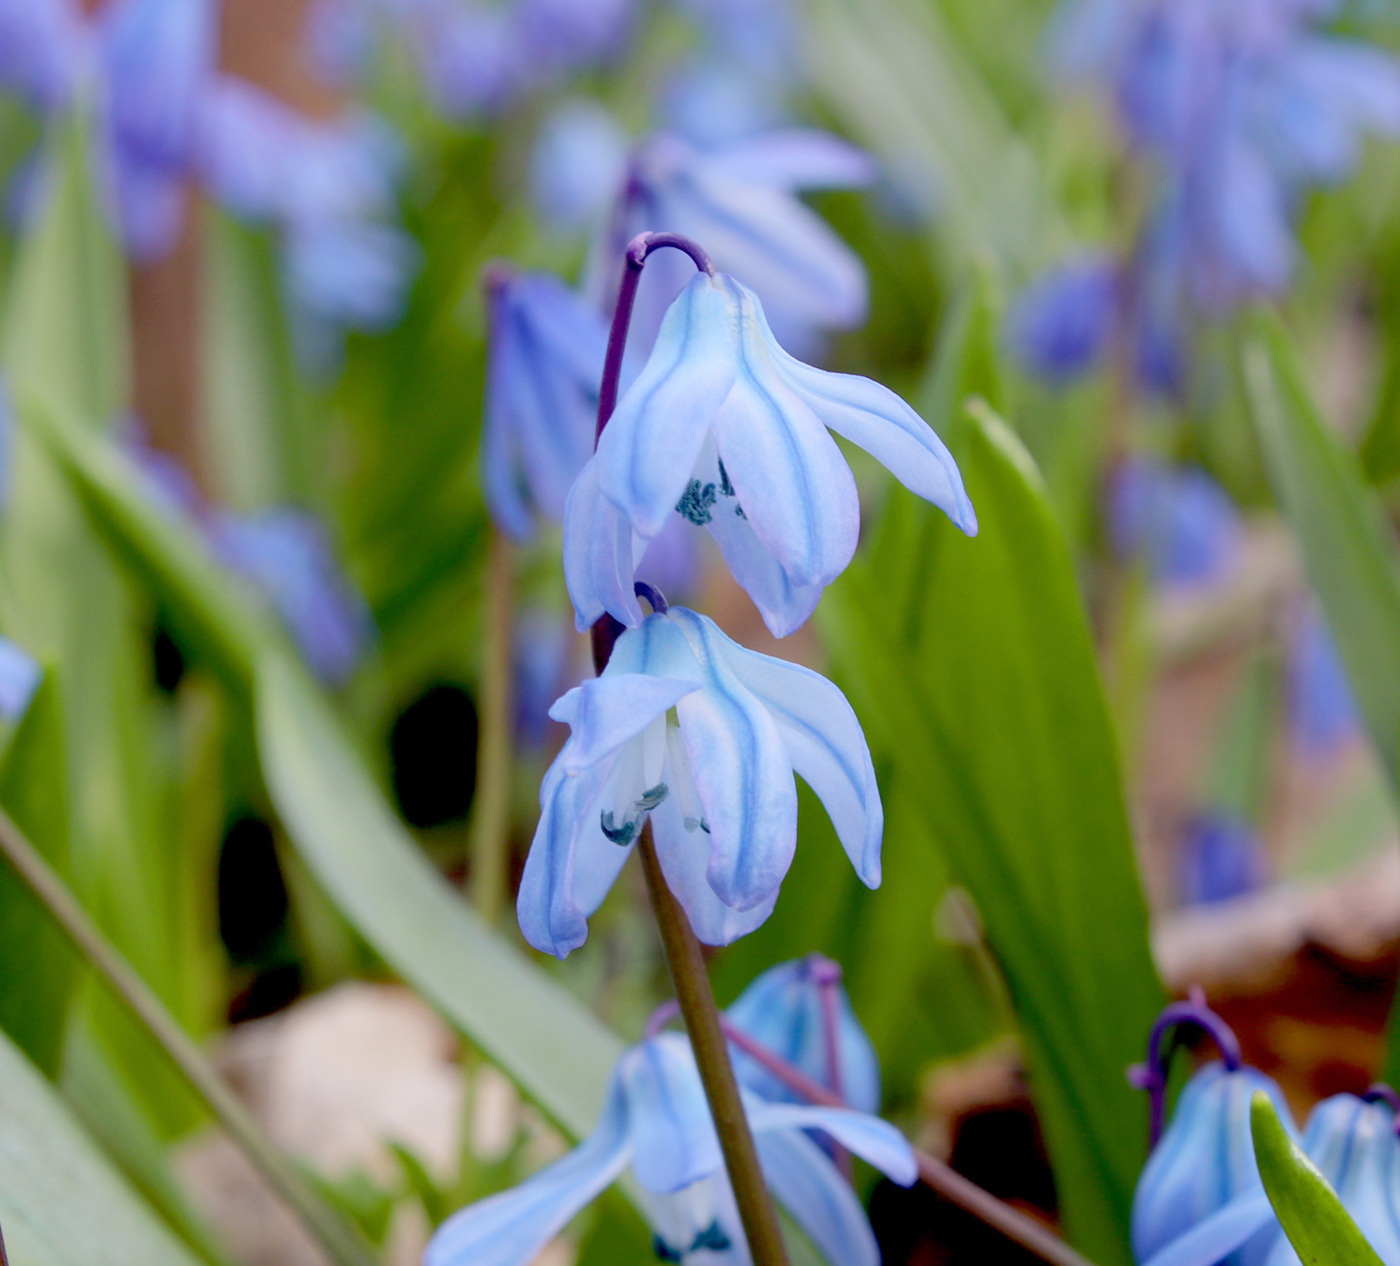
pixel 341 1243
pixel 934 1173
pixel 702 1023
pixel 490 820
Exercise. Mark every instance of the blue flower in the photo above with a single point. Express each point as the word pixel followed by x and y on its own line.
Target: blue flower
pixel 1179 519
pixel 656 1120
pixel 287 555
pixel 703 737
pixel 156 58
pixel 542 375
pixel 1061 325
pixel 1200 1201
pixel 40 42
pixel 740 200
pixel 800 1012
pixel 19 679
pixel 1322 709
pixel 578 165
pixel 1352 1140
pixel 1220 856
pixel 725 428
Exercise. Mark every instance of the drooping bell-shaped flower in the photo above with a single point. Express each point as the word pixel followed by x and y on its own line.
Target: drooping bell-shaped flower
pixel 801 1013
pixel 656 1120
pixel 726 429
pixel 542 374
pixel 1200 1200
pixel 701 736
pixel 1352 1140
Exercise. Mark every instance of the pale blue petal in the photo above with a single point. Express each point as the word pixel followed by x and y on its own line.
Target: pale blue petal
pixel 606 712
pixel 875 418
pixel 650 445
pixel 502 473
pixel 547 909
pixel 784 1010
pixel 684 857
pixel 578 164
pixel 19 679
pixel 150 204
pixel 699 1224
pixel 673 1138
pixel 245 147
pixel 796 158
pixel 876 1142
pixel 741 772
pixel 1213 1239
pixel 820 1200
pixel 597 860
pixel 778 244
pixel 1251 218
pixel 509 1229
pixel 783 605
pixel 826 747
pixel 41 49
pixel 599 554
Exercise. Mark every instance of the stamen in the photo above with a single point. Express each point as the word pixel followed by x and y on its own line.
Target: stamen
pixel 696 502
pixel 713 1238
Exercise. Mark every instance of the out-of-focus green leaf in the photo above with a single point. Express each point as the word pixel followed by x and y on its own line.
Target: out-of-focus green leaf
pixel 971 666
pixel 903 87
pixel 36 967
pixel 61 1203
pixel 338 820
pixel 1318 1227
pixel 1348 550
pixel 378 877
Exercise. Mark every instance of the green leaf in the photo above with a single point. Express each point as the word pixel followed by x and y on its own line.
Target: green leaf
pixel 971 666
pixel 380 880
pixel 1318 1227
pixel 36 966
pixel 61 1202
pixel 338 820
pixel 1348 549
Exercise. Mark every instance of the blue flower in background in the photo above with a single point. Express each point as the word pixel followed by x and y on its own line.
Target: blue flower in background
pixel 1352 1140
pixel 1060 326
pixel 800 1012
pixel 578 165
pixel 1322 709
pixel 689 729
pixel 19 679
pixel 542 375
pixel 1178 518
pixel 740 200
pixel 287 554
pixel 39 50
pixel 1219 856
pixel 1200 1201
pixel 725 428
pixel 656 1120
pixel 713 101
pixel 1237 107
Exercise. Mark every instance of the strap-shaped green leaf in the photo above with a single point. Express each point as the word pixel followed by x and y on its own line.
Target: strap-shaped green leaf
pixel 61 1202
pixel 1318 1227
pixel 336 817
pixel 1348 550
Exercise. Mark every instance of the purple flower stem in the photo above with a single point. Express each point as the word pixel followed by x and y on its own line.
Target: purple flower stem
pixel 1161 1044
pixel 826 975
pixel 684 957
pixel 934 1173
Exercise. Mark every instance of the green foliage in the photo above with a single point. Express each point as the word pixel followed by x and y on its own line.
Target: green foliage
pixel 971 667
pixel 61 1202
pixel 1318 1227
pixel 1348 548
pixel 36 966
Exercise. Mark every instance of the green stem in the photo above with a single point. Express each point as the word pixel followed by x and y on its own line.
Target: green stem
pixel 490 825
pixel 341 1243
pixel 697 1003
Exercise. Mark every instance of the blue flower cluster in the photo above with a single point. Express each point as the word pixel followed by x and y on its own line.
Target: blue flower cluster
pixel 1235 109
pixel 1200 1200
pixel 168 118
